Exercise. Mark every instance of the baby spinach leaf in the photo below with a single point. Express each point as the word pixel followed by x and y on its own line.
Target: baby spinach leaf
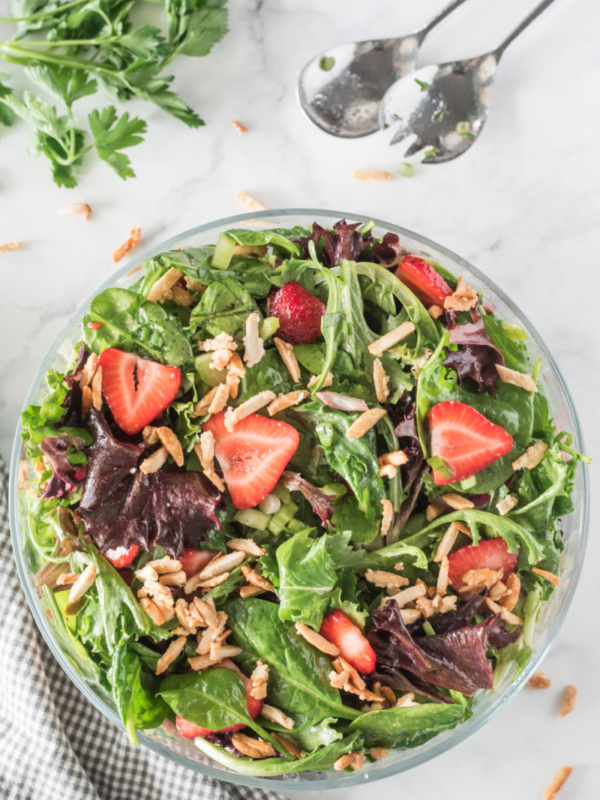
pixel 298 679
pixel 407 727
pixel 134 689
pixel 306 578
pixel 131 323
pixel 270 373
pixel 347 516
pixel 270 767
pixel 224 307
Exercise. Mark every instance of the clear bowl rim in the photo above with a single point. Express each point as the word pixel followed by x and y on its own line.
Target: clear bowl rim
pixel 459 734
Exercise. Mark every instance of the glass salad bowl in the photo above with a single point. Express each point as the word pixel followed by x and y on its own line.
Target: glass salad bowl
pixel 165 740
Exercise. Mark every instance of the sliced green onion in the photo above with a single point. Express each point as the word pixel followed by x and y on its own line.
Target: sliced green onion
pixel 253 518
pixel 468 483
pixel 423 84
pixel 432 152
pixel 269 326
pixel 440 465
pixel 334 489
pixel 536 369
pixel 279 520
pixel 327 63
pixel 464 127
pixel 282 493
pixel 515 332
pixel 294 526
pixel 366 226
pixel 406 170
pixel 428 628
pixel 223 251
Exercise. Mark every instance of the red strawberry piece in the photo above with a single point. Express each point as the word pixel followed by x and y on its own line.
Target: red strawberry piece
pixel 422 279
pixel 193 560
pixel 136 390
pixel 95 326
pixel 298 311
pixel 190 731
pixel 253 455
pixel 488 554
pixel 121 557
pixel 349 639
pixel 465 439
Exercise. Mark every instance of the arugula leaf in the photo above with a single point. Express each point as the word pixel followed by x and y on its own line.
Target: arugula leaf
pixel 306 579
pixel 111 135
pixel 132 323
pixel 407 727
pixel 298 678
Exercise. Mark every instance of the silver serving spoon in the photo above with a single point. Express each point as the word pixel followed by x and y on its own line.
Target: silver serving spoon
pixel 445 106
pixel 340 90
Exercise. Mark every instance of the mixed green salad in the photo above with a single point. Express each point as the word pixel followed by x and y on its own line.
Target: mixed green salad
pixel 297 497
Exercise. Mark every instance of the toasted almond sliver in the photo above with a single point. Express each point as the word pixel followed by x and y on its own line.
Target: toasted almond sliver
pixel 193 285
pixel 86 400
pixel 547 576
pixel 482 577
pixel 248 590
pixel 539 681
pixel 164 565
pixel 153 611
pixel 219 400
pixel 531 457
pixel 408 595
pixel 284 401
pixel 384 579
pixel 181 296
pixel 390 339
pixel 366 421
pixel 248 546
pixel 154 461
pixel 442 581
pixel 516 378
pixel 9 247
pixel 173 578
pixel 568 702
pixel 433 511
pixel 286 351
pixel 506 615
pixel 557 783
pixel 318 641
pixel 372 175
pixel 507 504
pixel 251 203
pixel 235 415
pixel 251 747
pixel 220 359
pixel 396 458
pixel 132 241
pixel 289 744
pixel 236 366
pixel 387 471
pixel 83 583
pixel 327 382
pixel 447 542
pixel 513 584
pixel 256 579
pixel 239 127
pixel 223 341
pixel 387 517
pixel 435 311
pixel 254 347
pixel 463 298
pixel 378 752
pixel 77 209
pixel 457 501
pixel 171 442
pixel 200 662
pixel 275 715
pixel 259 680
pixel 381 381
pixel 150 435
pixel 409 615
pixel 170 654
pixel 86 375
pixel 217 567
pixel 202 406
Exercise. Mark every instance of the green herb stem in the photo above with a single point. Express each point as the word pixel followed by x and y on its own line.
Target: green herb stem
pixel 42 14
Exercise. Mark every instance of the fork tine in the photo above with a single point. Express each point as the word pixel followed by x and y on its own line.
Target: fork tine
pixel 401 133
pixel 417 145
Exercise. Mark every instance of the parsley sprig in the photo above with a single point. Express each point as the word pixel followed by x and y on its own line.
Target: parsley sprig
pixel 74 49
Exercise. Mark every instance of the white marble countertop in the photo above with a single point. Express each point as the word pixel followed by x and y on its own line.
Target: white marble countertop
pixel 523 206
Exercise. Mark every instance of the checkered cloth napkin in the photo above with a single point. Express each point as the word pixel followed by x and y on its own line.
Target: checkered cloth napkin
pixel 53 743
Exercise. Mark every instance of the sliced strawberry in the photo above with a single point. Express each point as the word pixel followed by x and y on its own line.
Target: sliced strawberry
pixel 348 638
pixel 193 560
pixel 422 279
pixel 136 390
pixel 253 455
pixel 121 557
pixel 299 313
pixel 488 554
pixel 465 439
pixel 191 731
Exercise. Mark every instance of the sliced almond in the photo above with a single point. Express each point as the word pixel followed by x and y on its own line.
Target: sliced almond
pixel 150 435
pixel 457 501
pixel 463 298
pixel 390 339
pixel 251 203
pixel 235 415
pixel 408 595
pixel 154 461
pixel 506 615
pixel 547 576
pixel 224 341
pixel 9 247
pixel 171 443
pixel 181 296
pixel 507 504
pixel 171 653
pixel 219 400
pixel 435 311
pixel 286 351
pixel 381 381
pixel 86 400
pixel 376 175
pixel 248 546
pixel 557 783
pixel 153 611
pixel 126 247
pixel 275 715
pixel 318 641
pixel 288 400
pixel 366 421
pixel 531 457
pixel 240 128
pixel 442 580
pixel 164 284
pixel 384 579
pixel 82 210
pixel 327 382
pixel 539 681
pixel 387 517
pixel 397 458
pixel 516 378
pixel 513 584
pixel 254 347
pixel 83 583
pixel 193 285
pixel 568 701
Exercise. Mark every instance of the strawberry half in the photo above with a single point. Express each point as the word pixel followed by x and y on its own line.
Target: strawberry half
pixel 488 554
pixel 254 706
pixel 136 390
pixel 193 560
pixel 349 639
pixel 253 455
pixel 465 439
pixel 121 557
pixel 423 280
pixel 298 311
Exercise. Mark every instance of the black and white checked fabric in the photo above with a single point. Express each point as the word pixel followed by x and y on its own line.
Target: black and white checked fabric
pixel 53 743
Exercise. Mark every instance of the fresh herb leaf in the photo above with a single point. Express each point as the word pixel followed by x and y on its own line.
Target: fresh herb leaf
pixel 111 135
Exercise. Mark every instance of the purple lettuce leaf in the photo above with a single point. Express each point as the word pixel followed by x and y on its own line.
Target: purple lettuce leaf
pixel 390 676
pixel 319 501
pixel 341 242
pixel 406 431
pixel 121 506
pixel 456 659
pixel 65 475
pixel 477 355
pixel 389 250
pixel 72 402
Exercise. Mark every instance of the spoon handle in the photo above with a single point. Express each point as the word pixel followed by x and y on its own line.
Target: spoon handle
pixel 522 25
pixel 438 18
